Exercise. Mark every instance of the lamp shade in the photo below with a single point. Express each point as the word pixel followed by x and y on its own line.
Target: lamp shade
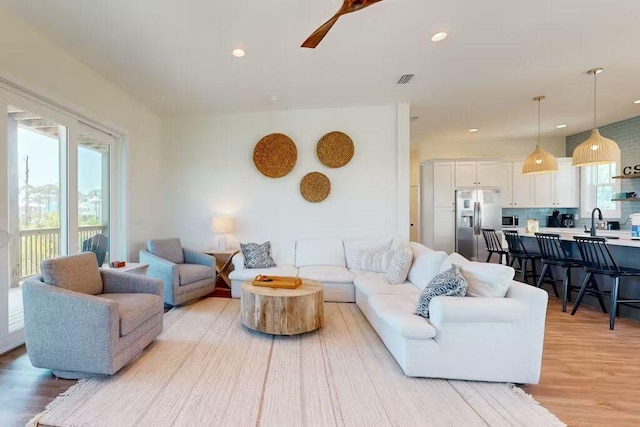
pixel 223 225
pixel 596 150
pixel 540 161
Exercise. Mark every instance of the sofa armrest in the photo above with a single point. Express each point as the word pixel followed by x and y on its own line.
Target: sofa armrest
pixel 160 268
pixel 475 310
pixel 195 257
pixel 84 328
pixel 238 261
pixel 117 282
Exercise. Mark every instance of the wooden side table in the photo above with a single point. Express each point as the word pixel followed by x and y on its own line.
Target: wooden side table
pixel 223 263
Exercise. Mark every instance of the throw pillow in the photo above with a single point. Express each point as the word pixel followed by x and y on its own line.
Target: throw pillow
pixel 400 264
pixel 377 262
pixel 257 255
pixel 449 283
pixel 485 280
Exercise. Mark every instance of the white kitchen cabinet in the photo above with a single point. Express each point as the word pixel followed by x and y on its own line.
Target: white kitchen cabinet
pixel 567 185
pixel 444 188
pixel 444 223
pixel 484 173
pixel 466 174
pixel 506 184
pixel 437 205
pixel 544 190
pixel 522 188
pixel 489 173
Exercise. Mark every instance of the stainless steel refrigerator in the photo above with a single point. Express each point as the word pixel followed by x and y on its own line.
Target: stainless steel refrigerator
pixel 476 208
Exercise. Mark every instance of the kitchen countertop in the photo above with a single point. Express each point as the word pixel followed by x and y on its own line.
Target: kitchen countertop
pixel 623 236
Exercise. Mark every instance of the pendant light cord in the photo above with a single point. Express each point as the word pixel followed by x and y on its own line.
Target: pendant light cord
pixel 595 98
pixel 539 100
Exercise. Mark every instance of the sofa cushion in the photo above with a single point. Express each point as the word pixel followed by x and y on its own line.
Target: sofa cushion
pixel 251 273
pixel 485 280
pixel 426 264
pixel 283 253
pixel 400 264
pixel 135 309
pixel 257 255
pixel 320 252
pixel 370 284
pixel 398 311
pixel 326 274
pixel 78 272
pixel 191 273
pixel 355 249
pixel 449 283
pixel 169 249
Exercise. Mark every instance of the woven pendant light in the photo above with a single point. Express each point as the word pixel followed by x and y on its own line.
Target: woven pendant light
pixel 597 149
pixel 540 161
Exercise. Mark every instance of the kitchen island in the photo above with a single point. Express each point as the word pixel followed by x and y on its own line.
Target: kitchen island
pixel 625 250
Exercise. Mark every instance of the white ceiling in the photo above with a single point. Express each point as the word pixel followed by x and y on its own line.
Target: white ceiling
pixel 175 56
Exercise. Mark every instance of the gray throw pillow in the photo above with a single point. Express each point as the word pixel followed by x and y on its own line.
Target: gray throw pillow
pixel 448 283
pixel 257 255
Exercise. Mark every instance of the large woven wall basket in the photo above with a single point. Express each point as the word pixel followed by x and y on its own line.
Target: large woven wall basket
pixel 335 149
pixel 275 155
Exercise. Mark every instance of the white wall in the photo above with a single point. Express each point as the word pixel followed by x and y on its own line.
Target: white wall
pixel 472 148
pixel 211 172
pixel 32 60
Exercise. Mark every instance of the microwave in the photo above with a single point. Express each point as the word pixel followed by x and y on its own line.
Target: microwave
pixel 510 221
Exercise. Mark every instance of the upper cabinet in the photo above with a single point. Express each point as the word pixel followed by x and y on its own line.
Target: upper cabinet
pixel 444 188
pixel 559 189
pixel 485 173
pixel 522 188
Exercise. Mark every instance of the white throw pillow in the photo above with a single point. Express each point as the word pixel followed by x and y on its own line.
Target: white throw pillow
pixel 354 249
pixel 485 279
pixel 377 262
pixel 400 264
pixel 426 264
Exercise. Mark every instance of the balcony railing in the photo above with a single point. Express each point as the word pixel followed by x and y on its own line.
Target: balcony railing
pixel 43 243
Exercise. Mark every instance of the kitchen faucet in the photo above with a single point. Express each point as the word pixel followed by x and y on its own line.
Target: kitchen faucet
pixel 593 220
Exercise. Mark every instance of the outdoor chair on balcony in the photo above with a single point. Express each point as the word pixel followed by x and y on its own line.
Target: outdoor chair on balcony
pixel 187 274
pixel 99 245
pixel 80 320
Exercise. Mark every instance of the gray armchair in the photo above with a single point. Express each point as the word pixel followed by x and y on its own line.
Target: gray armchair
pixel 186 274
pixel 81 320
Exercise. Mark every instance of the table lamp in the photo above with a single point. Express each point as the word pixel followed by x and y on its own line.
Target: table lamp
pixel 222 226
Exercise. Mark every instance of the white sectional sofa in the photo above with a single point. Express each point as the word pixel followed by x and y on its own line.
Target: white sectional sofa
pixel 470 338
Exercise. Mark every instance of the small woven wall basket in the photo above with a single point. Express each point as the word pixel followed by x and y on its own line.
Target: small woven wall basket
pixel 275 155
pixel 335 149
pixel 315 187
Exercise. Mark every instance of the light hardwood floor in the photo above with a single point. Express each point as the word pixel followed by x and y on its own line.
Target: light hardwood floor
pixel 590 375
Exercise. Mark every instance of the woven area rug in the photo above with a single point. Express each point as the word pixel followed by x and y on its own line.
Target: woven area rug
pixel 207 369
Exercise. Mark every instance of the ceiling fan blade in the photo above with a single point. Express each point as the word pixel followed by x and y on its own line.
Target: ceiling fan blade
pixel 317 36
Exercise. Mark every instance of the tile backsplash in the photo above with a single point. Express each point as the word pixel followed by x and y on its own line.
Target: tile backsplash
pixel 540 214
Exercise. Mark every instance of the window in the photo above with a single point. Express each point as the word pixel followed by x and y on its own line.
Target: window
pixel 598 188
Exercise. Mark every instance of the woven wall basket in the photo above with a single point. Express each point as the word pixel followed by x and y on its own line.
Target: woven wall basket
pixel 335 149
pixel 275 155
pixel 315 187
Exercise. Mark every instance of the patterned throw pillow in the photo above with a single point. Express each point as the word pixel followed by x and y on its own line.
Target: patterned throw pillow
pixel 377 262
pixel 449 283
pixel 400 264
pixel 257 255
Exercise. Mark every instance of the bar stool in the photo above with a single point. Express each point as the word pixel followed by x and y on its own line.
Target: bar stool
pixel 554 254
pixel 598 260
pixel 494 245
pixel 517 251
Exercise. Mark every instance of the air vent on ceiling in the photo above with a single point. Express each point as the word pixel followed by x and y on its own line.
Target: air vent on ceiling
pixel 415 118
pixel 405 79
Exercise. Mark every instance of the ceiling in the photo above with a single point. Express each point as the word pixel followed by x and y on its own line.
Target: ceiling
pixel 176 58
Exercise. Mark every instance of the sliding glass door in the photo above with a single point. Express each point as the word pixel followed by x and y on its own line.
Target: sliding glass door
pixel 56 196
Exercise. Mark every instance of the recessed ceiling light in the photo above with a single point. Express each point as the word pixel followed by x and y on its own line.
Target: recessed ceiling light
pixel 561 126
pixel 637 101
pixel 474 130
pixel 238 53
pixel 438 37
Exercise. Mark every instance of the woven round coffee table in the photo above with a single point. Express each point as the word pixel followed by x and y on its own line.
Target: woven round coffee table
pixel 283 311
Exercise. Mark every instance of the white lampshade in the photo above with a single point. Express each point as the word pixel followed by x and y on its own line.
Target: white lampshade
pixel 223 225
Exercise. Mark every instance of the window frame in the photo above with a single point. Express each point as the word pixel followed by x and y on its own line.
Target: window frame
pixel 589 190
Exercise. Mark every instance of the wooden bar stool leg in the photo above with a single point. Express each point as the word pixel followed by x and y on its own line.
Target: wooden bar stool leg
pixel 614 302
pixel 523 270
pixel 569 281
pixel 594 282
pixel 565 285
pixel 553 283
pixel 583 290
pixel 489 257
pixel 542 275
pixel 533 270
